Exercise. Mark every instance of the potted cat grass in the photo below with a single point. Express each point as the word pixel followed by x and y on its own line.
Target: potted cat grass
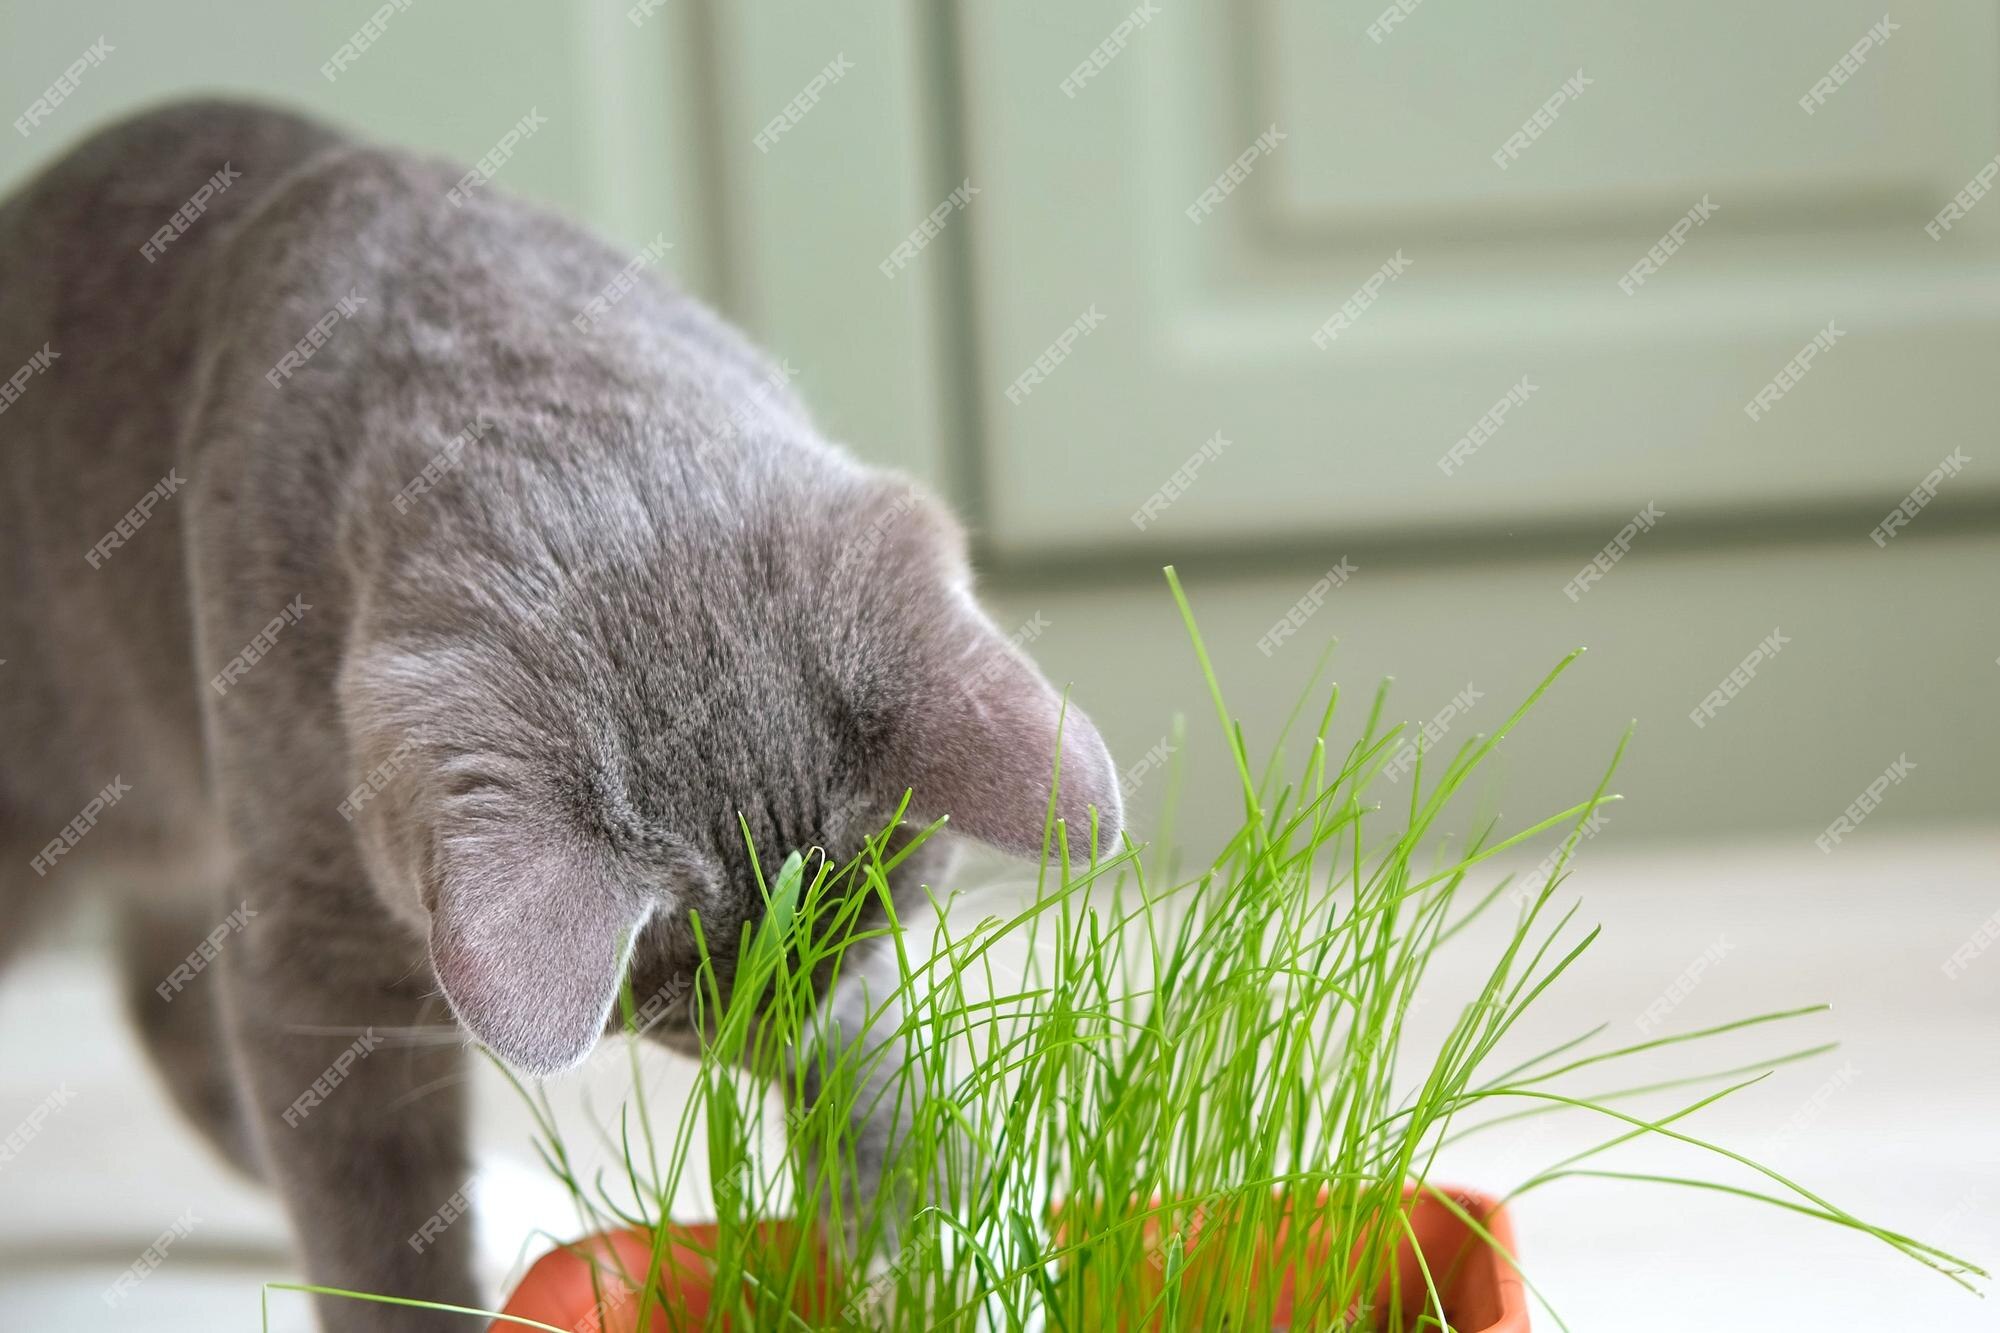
pixel 1144 1098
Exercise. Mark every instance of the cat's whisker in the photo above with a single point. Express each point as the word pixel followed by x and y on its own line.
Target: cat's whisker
pixel 424 1090
pixel 422 1034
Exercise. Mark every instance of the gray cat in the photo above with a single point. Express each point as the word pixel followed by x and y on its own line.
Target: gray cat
pixel 405 595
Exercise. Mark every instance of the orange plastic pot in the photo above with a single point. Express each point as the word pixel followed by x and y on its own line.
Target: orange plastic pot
pixel 591 1286
pixel 1476 1278
pixel 1480 1290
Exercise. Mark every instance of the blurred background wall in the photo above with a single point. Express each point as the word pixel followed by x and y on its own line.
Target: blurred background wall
pixel 1235 285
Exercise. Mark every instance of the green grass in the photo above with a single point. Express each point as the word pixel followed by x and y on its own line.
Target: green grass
pixel 1199 1054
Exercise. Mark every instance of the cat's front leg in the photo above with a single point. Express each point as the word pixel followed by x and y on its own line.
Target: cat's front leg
pixel 868 1025
pixel 361 1117
pixel 856 1056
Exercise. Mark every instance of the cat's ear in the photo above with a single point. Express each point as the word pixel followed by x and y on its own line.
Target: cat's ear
pixel 978 742
pixel 530 934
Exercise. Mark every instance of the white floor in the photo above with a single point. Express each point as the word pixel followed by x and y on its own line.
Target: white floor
pixel 1902 1125
pixel 112 1168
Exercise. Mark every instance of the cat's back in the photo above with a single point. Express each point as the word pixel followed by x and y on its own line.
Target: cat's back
pixel 103 255
pixel 104 259
pixel 96 239
pixel 262 331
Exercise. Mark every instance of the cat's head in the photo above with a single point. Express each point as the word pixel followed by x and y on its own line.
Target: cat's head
pixel 588 735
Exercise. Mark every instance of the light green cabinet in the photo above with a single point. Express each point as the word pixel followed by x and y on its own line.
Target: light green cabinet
pixel 1169 200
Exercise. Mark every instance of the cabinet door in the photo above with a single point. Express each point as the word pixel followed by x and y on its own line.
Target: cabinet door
pixel 655 113
pixel 1095 130
pixel 447 76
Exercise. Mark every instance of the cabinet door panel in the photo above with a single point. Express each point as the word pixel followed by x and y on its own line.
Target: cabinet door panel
pixel 1512 274
pixel 445 76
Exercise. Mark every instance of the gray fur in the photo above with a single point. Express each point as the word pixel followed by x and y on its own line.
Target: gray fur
pixel 647 597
